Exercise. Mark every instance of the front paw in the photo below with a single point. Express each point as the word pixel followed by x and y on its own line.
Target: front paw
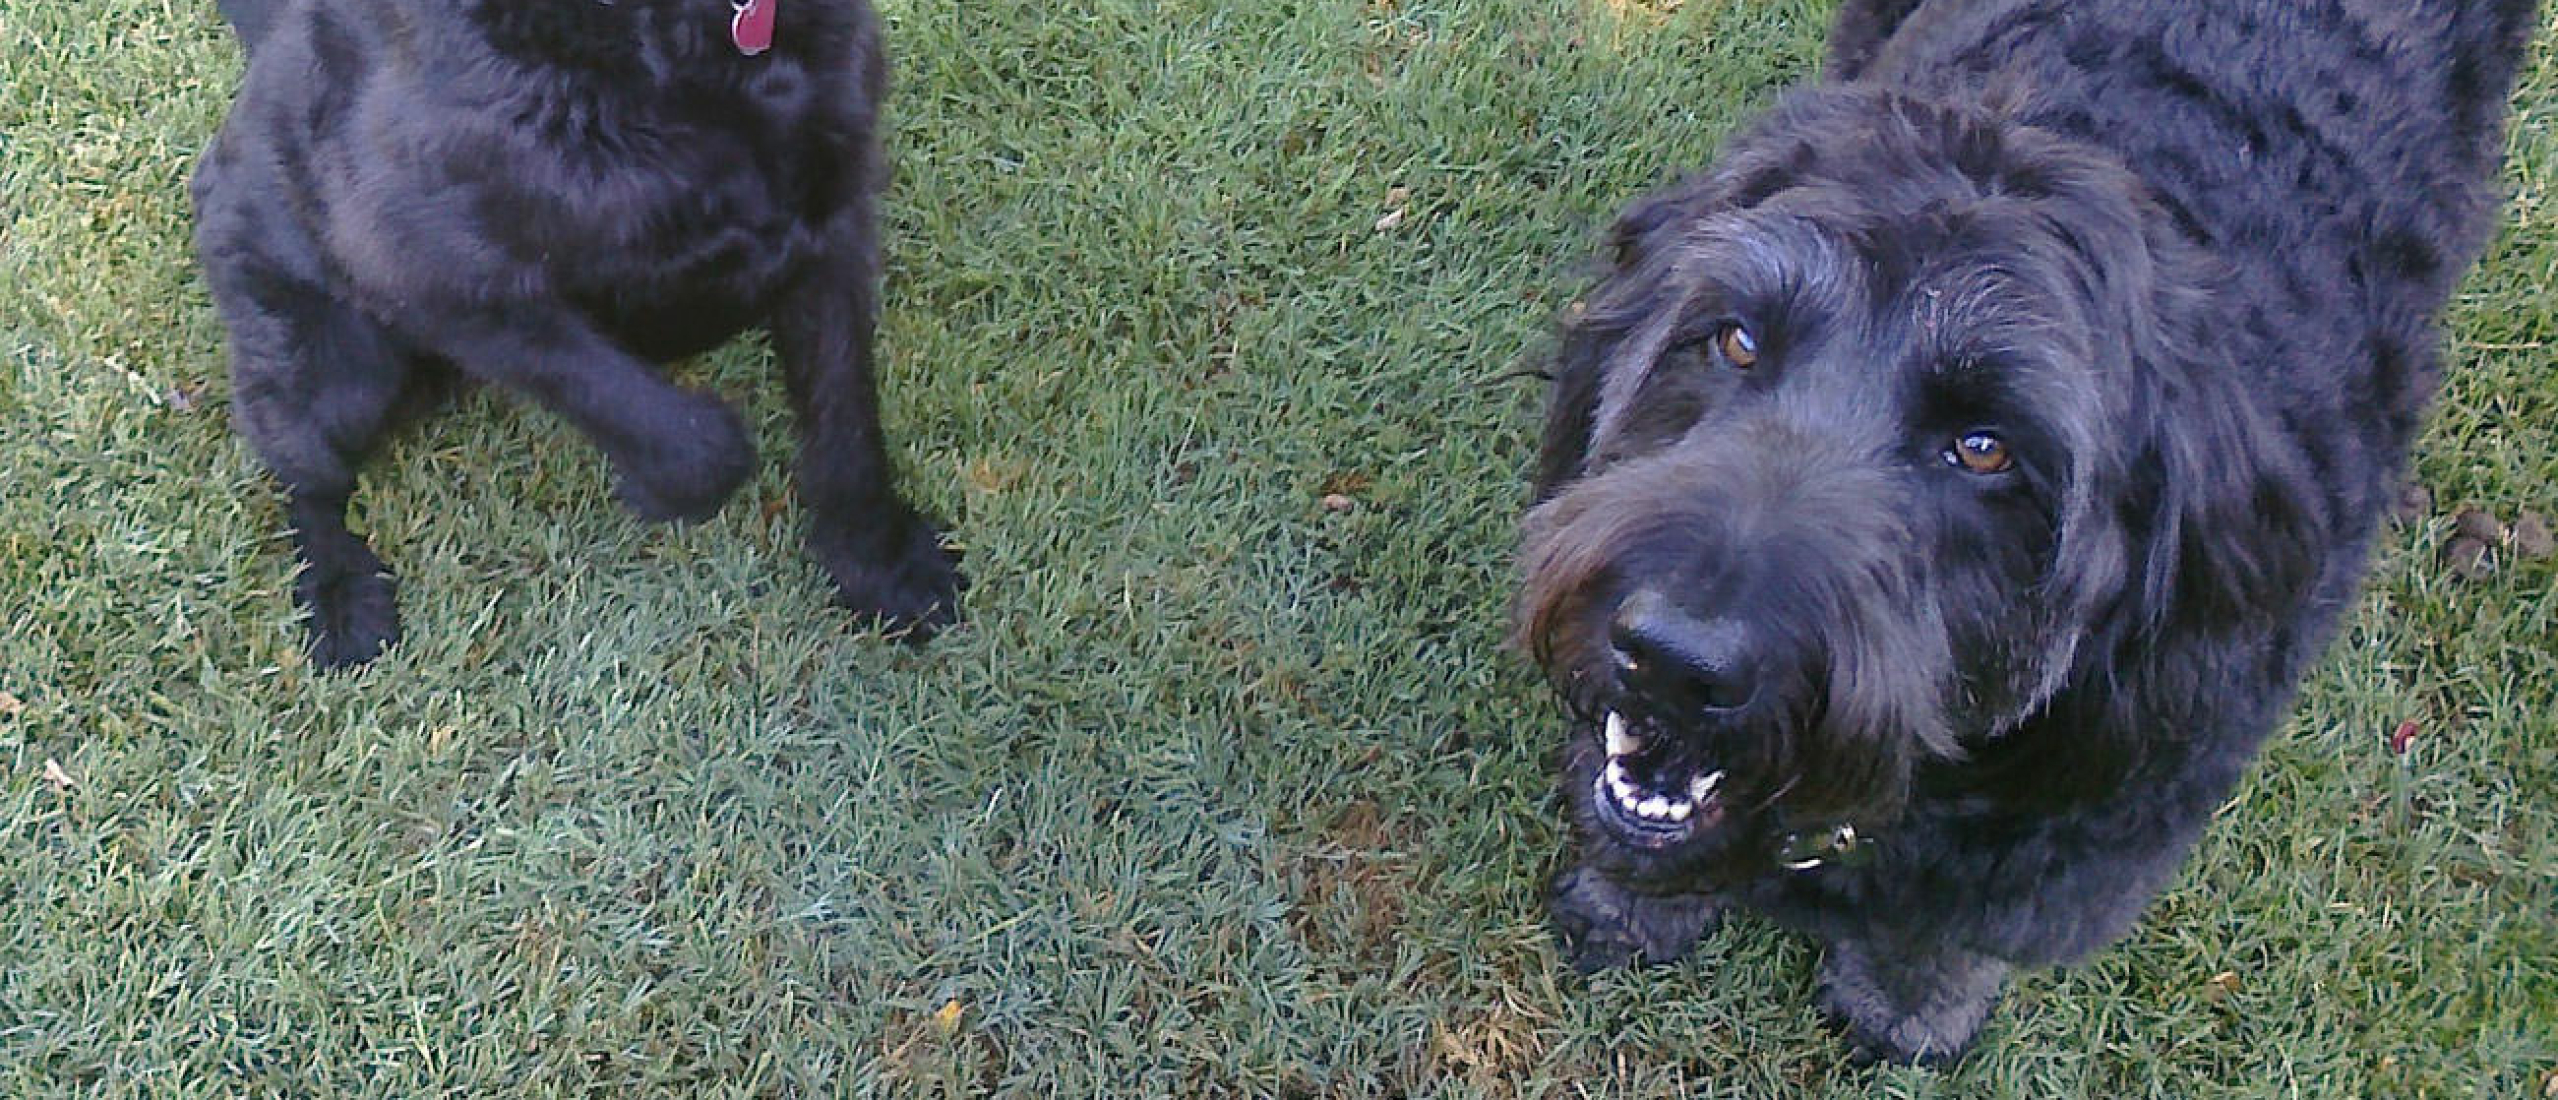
pixel 1917 1008
pixel 688 464
pixel 354 610
pixel 893 569
pixel 1604 925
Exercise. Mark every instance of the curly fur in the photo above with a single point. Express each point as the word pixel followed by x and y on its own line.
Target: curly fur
pixel 2184 261
pixel 554 197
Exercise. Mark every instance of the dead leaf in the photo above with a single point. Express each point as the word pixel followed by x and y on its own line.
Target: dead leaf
pixel 11 706
pixel 2219 987
pixel 948 1018
pixel 1396 198
pixel 994 475
pixel 1336 502
pixel 2402 738
pixel 61 780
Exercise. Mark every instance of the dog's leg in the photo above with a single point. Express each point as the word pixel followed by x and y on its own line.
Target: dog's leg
pixel 1604 925
pixel 679 454
pixel 353 602
pixel 885 558
pixel 1915 1006
pixel 313 384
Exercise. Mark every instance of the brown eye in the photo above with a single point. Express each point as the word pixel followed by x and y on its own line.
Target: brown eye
pixel 1979 452
pixel 1739 348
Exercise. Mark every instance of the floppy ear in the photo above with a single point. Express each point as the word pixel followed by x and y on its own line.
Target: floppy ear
pixel 2217 520
pixel 1858 32
pixel 2214 542
pixel 2206 534
pixel 1591 333
pixel 1572 404
pixel 2236 524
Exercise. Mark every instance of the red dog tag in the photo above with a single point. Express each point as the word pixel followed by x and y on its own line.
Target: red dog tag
pixel 752 29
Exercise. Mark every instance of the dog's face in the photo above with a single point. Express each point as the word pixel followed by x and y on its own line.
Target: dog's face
pixel 1835 480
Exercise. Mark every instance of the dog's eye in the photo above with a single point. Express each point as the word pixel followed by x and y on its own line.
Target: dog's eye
pixel 1739 348
pixel 1979 452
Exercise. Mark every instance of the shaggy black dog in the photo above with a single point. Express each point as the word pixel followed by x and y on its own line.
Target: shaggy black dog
pixel 1942 496
pixel 554 195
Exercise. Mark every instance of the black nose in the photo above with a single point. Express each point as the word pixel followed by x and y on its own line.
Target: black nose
pixel 1679 662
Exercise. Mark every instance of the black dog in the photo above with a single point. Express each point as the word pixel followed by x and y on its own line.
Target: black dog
pixel 1943 495
pixel 553 196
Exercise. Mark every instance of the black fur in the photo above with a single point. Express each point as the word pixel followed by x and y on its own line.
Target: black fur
pixel 249 17
pixel 2182 263
pixel 555 197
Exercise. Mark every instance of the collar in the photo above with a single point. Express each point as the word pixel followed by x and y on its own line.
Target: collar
pixel 1806 851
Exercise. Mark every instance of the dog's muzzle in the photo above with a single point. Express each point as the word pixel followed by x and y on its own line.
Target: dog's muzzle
pixel 1659 787
pixel 1643 806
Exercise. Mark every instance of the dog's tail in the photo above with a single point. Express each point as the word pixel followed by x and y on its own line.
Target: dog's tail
pixel 249 17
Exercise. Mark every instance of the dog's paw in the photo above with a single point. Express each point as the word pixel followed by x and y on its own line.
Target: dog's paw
pixel 1603 925
pixel 1924 1010
pixel 689 465
pixel 893 569
pixel 354 612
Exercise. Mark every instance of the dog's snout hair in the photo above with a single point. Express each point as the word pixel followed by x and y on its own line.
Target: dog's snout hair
pixel 1806 537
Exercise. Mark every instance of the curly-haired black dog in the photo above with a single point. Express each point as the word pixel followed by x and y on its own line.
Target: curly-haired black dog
pixel 554 196
pixel 1943 494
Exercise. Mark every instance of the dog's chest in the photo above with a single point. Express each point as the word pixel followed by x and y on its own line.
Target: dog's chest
pixel 702 206
pixel 714 183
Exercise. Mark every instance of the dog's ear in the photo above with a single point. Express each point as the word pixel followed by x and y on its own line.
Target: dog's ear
pixel 1594 326
pixel 2214 540
pixel 2235 523
pixel 2205 528
pixel 1858 32
pixel 1572 404
pixel 2217 521
pixel 1643 246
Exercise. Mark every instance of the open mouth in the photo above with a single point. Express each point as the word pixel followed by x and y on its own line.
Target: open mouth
pixel 1650 801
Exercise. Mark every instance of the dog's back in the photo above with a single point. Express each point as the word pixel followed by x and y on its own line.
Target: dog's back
pixel 2386 113
pixel 2338 159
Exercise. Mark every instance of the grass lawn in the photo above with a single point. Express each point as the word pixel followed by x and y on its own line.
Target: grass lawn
pixel 1226 788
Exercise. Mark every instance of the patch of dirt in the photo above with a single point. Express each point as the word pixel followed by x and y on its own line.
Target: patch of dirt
pixel 1352 888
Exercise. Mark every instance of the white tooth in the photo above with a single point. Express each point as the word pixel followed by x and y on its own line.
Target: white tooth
pixel 1616 778
pixel 1702 787
pixel 1655 806
pixel 1620 741
pixel 1679 810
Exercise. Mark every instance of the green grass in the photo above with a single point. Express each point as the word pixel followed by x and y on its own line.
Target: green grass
pixel 1220 791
